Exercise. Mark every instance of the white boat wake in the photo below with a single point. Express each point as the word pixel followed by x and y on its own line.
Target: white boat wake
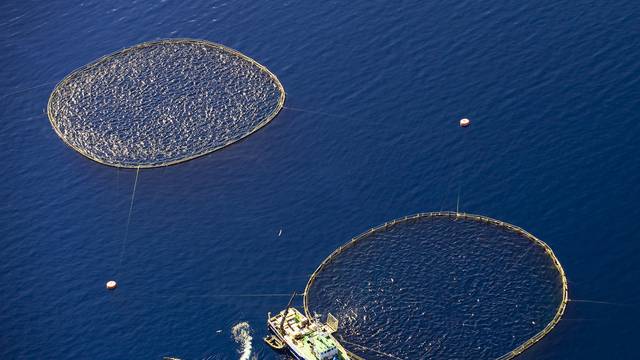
pixel 242 335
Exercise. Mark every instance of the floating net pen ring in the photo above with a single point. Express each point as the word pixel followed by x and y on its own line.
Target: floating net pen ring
pixel 163 102
pixel 414 219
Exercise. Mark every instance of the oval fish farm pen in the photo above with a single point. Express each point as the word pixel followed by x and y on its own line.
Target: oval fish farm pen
pixel 440 285
pixel 163 102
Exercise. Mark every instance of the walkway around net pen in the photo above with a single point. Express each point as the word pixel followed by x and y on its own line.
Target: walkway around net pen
pixel 457 215
pixel 253 96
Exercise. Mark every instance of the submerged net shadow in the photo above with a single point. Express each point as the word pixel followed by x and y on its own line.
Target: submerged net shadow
pixel 440 285
pixel 163 102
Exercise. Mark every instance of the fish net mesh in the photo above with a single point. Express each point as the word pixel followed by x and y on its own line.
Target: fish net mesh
pixel 164 102
pixel 440 285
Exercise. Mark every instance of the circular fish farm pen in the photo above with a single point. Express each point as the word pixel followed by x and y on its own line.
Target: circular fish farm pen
pixel 163 102
pixel 440 285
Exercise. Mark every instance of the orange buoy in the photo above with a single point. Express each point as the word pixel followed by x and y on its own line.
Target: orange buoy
pixel 465 122
pixel 111 285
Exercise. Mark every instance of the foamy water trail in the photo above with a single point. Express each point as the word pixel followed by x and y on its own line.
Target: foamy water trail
pixel 242 335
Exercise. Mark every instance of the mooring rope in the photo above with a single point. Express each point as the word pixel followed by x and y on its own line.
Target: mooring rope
pixel 460 170
pixel 369 349
pixel 315 112
pixel 244 295
pixel 601 302
pixel 126 232
pixel 27 89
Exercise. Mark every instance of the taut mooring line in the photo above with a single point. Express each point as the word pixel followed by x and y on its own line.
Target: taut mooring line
pixel 315 112
pixel 601 302
pixel 241 295
pixel 370 349
pixel 460 167
pixel 26 89
pixel 126 231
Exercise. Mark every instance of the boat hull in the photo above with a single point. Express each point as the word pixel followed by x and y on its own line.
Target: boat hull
pixel 291 349
pixel 304 339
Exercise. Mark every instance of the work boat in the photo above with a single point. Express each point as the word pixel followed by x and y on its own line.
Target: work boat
pixel 306 339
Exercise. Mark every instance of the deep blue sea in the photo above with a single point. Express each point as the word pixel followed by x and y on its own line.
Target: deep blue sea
pixel 370 133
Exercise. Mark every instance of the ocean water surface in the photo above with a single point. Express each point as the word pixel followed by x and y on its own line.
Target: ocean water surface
pixel 369 133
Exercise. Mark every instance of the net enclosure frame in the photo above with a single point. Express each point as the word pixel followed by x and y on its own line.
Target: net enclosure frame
pixel 464 216
pixel 278 107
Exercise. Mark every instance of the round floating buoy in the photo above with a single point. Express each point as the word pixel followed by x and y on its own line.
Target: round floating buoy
pixel 465 122
pixel 111 285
